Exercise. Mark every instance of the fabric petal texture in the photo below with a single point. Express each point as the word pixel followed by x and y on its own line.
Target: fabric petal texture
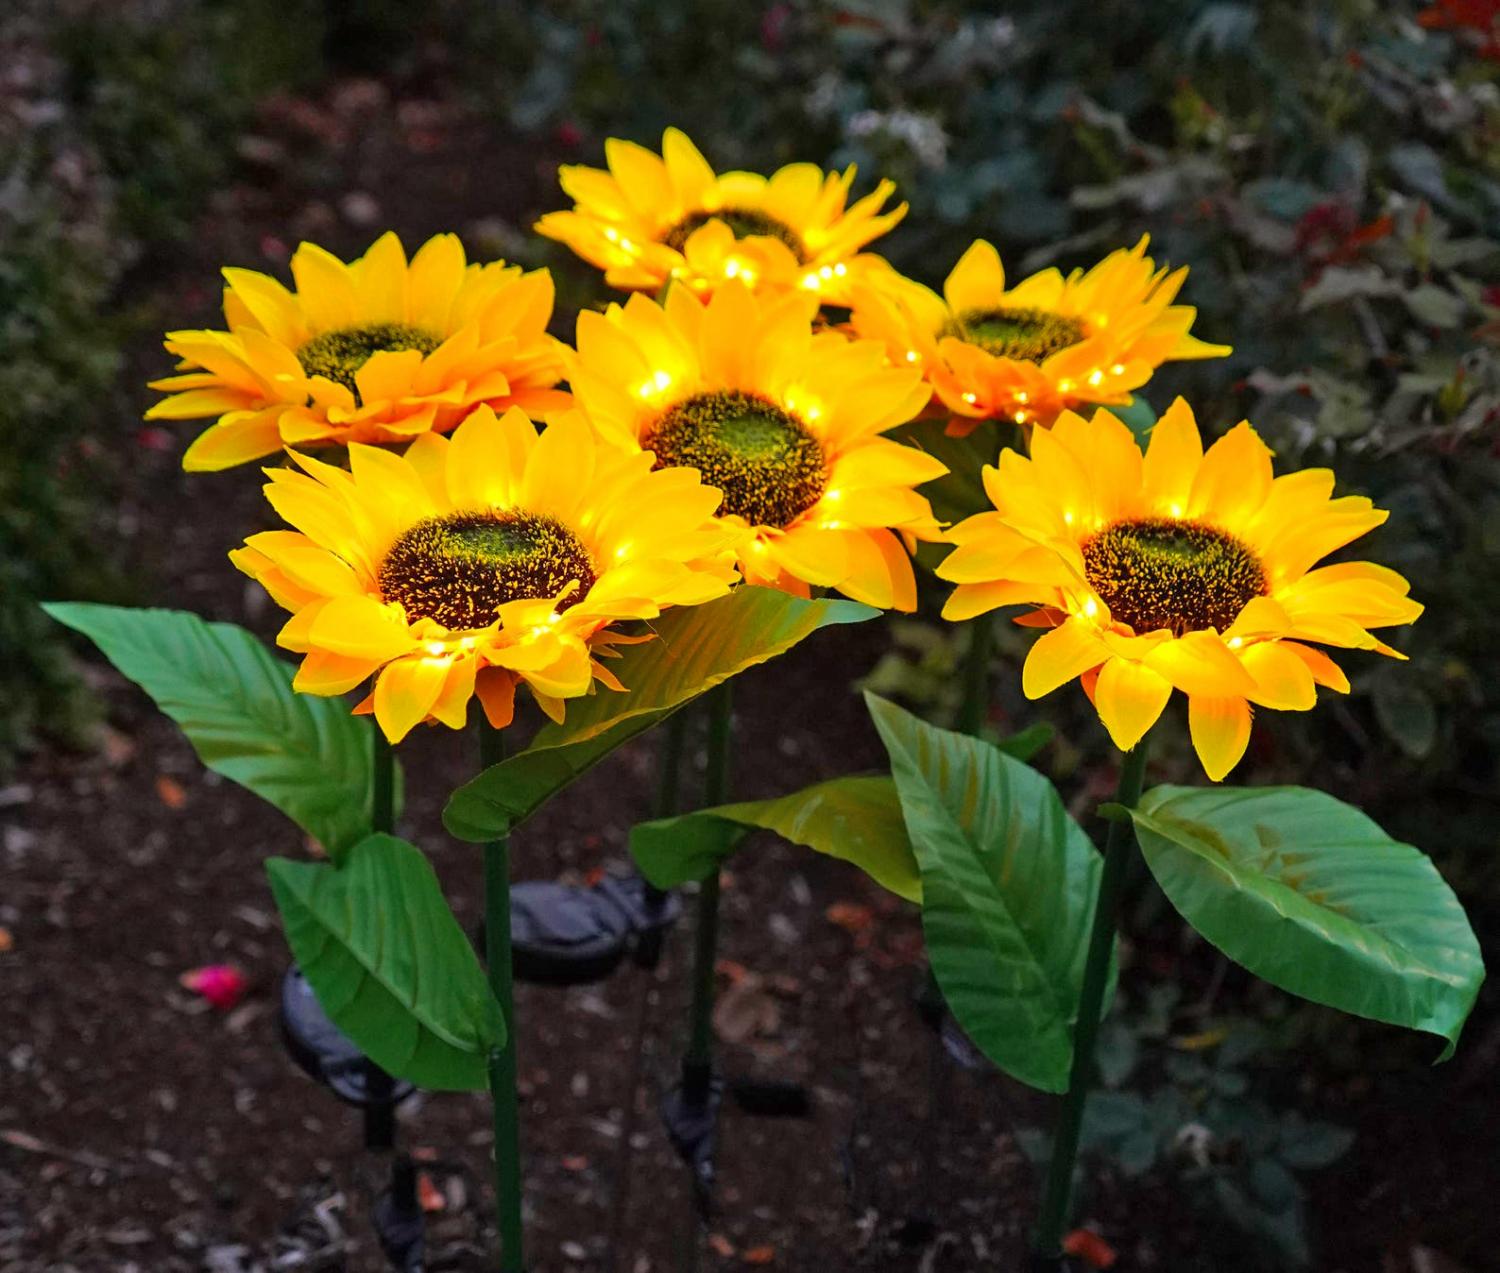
pixel 377 350
pixel 476 563
pixel 1188 569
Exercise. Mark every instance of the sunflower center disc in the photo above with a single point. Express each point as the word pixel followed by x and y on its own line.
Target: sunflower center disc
pixel 1028 335
pixel 770 468
pixel 1159 573
pixel 339 354
pixel 743 222
pixel 458 570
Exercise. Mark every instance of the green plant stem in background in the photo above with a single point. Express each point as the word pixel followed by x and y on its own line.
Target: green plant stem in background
pixel 502 1063
pixel 380 1115
pixel 382 781
pixel 975 708
pixel 697 1065
pixel 669 773
pixel 1117 848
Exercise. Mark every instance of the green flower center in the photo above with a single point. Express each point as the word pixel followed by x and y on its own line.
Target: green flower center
pixel 744 222
pixel 1158 573
pixel 340 354
pixel 1027 335
pixel 770 468
pixel 458 570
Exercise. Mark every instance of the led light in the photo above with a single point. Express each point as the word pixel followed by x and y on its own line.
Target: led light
pixel 660 382
pixel 436 648
pixel 970 399
pixel 1096 378
pixel 1118 369
pixel 911 355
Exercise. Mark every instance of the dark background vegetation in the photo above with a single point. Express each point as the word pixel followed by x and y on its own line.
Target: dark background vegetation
pixel 1331 173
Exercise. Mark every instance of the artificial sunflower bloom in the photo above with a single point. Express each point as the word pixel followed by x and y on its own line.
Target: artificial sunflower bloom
pixel 785 421
pixel 1046 345
pixel 1185 570
pixel 477 562
pixel 652 218
pixel 379 350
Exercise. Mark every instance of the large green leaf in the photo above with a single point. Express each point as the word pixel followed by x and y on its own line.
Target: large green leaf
pixel 389 963
pixel 1009 883
pixel 856 819
pixel 307 756
pixel 1312 895
pixel 696 648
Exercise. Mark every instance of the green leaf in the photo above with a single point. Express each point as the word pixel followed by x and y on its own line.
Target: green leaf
pixel 306 755
pixel 389 963
pixel 855 819
pixel 1406 713
pixel 1009 882
pixel 1312 895
pixel 696 648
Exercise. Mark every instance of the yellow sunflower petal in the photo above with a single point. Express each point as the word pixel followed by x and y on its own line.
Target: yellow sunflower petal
pixel 237 438
pixel 1069 650
pixel 1220 729
pixel 1173 457
pixel 405 693
pixel 977 282
pixel 1282 679
pixel 1130 698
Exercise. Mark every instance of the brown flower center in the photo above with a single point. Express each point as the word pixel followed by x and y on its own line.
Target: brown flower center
pixel 743 222
pixel 770 468
pixel 340 354
pixel 459 569
pixel 1155 573
pixel 1027 335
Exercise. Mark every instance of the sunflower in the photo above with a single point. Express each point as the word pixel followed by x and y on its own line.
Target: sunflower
pixel 1182 569
pixel 378 350
pixel 479 561
pixel 785 421
pixel 651 219
pixel 1048 344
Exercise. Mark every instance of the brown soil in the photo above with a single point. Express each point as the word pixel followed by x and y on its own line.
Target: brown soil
pixel 143 1131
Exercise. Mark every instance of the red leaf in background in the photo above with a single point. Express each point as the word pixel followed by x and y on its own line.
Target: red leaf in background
pixel 429 1196
pixel 152 437
pixel 170 792
pixel 569 134
pixel 759 1255
pixel 1090 1248
pixel 1479 16
pixel 223 985
pixel 852 917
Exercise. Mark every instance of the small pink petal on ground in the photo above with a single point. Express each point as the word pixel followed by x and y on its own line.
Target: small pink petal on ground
pixel 223 985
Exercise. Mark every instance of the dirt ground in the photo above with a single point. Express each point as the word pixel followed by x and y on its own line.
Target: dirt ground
pixel 140 1130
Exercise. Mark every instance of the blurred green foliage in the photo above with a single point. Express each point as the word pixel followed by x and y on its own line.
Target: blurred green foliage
pixel 115 121
pixel 1331 173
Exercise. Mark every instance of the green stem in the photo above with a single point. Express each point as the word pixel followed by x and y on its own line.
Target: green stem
pixel 669 775
pixel 382 781
pixel 1117 847
pixel 975 708
pixel 697 1065
pixel 502 1060
pixel 379 1114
